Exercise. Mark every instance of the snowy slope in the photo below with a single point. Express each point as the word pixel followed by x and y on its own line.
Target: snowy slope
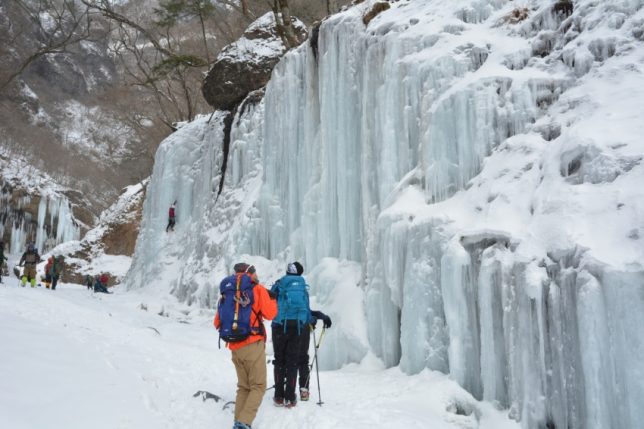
pixel 111 361
pixel 469 180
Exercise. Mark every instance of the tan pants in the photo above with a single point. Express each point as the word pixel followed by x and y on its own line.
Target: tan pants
pixel 29 274
pixel 250 363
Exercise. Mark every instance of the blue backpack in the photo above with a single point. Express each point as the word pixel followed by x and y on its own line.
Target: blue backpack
pixel 292 300
pixel 235 308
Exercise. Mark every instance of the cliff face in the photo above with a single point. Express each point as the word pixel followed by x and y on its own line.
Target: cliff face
pixel 462 180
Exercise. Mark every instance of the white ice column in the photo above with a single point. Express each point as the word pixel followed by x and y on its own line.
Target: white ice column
pixel 599 381
pixel 423 334
pixel 493 352
pixel 459 299
pixel 623 296
pixel 41 234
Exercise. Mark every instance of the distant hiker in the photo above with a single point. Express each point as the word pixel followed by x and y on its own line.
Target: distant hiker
pixel 30 259
pixel 243 305
pixel 303 367
pixel 289 329
pixel 56 270
pixel 100 285
pixel 3 259
pixel 47 280
pixel 88 281
pixel 171 217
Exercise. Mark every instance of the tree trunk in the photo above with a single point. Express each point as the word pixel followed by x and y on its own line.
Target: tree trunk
pixel 285 24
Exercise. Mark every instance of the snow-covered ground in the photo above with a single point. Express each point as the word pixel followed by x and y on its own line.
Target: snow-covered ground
pixel 74 359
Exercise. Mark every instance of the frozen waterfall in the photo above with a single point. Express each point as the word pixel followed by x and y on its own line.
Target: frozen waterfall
pixel 453 174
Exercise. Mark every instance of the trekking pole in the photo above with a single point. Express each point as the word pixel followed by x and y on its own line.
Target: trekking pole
pixel 317 364
pixel 315 346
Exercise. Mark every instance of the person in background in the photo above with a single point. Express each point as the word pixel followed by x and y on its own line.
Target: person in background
pixel 88 281
pixel 47 279
pixel 171 217
pixel 100 285
pixel 30 259
pixel 56 270
pixel 3 259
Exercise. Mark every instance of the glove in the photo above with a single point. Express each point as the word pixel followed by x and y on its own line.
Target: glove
pixel 318 315
pixel 327 321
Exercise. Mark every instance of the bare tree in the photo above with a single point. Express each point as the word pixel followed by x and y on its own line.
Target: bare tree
pixel 59 24
pixel 284 23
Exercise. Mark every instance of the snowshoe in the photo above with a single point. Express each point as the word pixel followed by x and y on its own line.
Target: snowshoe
pixel 290 404
pixel 278 402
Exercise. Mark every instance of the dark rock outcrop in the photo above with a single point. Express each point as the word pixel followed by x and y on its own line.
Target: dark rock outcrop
pixel 376 10
pixel 246 65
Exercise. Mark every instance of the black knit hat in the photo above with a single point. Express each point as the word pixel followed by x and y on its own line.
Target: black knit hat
pixel 294 268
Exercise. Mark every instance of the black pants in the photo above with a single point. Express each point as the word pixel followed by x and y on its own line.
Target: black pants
pixel 54 281
pixel 303 360
pixel 170 224
pixel 286 344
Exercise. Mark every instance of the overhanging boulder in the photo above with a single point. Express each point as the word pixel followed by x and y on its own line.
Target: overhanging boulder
pixel 246 65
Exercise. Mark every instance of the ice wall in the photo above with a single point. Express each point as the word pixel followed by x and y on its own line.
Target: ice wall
pixel 478 172
pixel 45 219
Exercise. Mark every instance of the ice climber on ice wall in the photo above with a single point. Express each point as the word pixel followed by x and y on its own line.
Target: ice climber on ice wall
pixel 243 305
pixel 171 217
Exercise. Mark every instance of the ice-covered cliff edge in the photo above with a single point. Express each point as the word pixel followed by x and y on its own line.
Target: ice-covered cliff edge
pixel 477 165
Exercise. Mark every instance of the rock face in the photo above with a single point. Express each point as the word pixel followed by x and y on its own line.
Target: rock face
pixel 108 247
pixel 246 65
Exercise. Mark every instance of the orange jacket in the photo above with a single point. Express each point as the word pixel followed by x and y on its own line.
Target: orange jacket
pixel 263 306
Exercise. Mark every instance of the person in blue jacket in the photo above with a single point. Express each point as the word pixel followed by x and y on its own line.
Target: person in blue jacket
pixel 289 328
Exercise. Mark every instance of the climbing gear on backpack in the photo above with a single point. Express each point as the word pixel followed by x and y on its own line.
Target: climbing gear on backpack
pixel 236 307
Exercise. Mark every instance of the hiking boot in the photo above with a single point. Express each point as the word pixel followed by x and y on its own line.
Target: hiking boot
pixel 290 404
pixel 278 402
pixel 240 425
pixel 304 394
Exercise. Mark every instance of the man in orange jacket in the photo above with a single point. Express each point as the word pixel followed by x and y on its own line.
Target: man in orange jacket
pixel 249 355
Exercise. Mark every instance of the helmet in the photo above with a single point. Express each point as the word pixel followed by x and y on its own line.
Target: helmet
pixel 31 247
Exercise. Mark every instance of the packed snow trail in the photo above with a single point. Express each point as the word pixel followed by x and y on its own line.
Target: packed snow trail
pixel 74 359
